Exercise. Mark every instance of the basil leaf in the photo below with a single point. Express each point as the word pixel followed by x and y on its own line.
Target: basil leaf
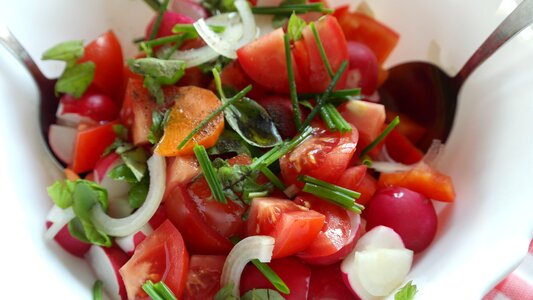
pixel 252 122
pixel 225 293
pixel 262 294
pixel 279 21
pixel 296 27
pixel 75 79
pixel 124 173
pixel 407 292
pixel 159 120
pixel 68 52
pixel 166 72
pixel 61 193
pixel 135 160
pixel 87 194
pixel 229 142
pixel 121 131
pixel 138 191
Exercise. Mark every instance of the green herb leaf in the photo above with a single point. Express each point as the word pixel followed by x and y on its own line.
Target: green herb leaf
pixel 160 12
pixel 76 79
pixel 252 122
pixel 218 64
pixel 68 52
pixel 210 173
pixel 216 7
pixel 225 293
pixel 138 191
pixel 166 72
pixel 407 292
pixel 159 120
pixel 262 294
pixel 229 142
pixel 381 137
pixel 97 290
pixel 296 27
pixel 136 160
pixel 124 173
pixel 61 193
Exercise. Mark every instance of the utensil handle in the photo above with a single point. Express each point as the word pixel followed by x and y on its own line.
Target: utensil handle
pixel 515 22
pixel 8 40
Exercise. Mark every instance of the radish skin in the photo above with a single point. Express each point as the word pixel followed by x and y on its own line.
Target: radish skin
pixel 62 140
pixel 129 243
pixel 105 263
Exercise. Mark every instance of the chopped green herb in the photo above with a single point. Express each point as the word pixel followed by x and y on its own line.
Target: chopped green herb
pixel 158 291
pixel 229 142
pixel 335 194
pixel 217 64
pixel 216 7
pixel 61 193
pixel 76 79
pixel 239 182
pixel 124 173
pixel 296 27
pixel 138 192
pixel 159 120
pixel 225 293
pixel 176 40
pixel 271 275
pixel 97 290
pixel 334 94
pixel 210 173
pixel 68 52
pixel 339 123
pixel 407 292
pixel 292 83
pixel 328 119
pixel 154 4
pixel 135 159
pixel 321 50
pixel 382 136
pixel 161 11
pixel 273 178
pixel 262 294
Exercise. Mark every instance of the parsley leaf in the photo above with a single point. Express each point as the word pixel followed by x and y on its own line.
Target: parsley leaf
pixel 295 27
pixel 159 120
pixel 225 293
pixel 61 193
pixel 262 294
pixel 407 292
pixel 76 79
pixel 68 52
pixel 136 161
pixel 138 191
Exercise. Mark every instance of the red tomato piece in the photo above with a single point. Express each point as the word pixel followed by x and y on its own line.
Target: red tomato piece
pixel 361 28
pixel 162 256
pixel 357 179
pixel 338 234
pixel 90 144
pixel 336 49
pixel 294 273
pixel 367 117
pixel 203 280
pixel 327 283
pixel 401 149
pixel 106 53
pixel 180 171
pixel 294 227
pixel 324 155
pixel 424 180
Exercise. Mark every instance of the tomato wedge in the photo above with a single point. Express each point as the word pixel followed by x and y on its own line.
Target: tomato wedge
pixel 106 53
pixel 160 257
pixel 357 179
pixel 338 234
pixel 293 272
pixel 294 227
pixel 424 180
pixel 203 280
pixel 90 143
pixel 324 155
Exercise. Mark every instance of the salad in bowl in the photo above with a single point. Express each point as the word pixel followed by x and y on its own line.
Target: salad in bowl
pixel 239 150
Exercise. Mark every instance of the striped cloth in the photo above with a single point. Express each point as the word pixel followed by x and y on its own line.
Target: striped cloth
pixel 518 285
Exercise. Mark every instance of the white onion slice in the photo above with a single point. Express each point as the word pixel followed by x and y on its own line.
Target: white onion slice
pixel 248 23
pixel 390 167
pixel 253 247
pixel 134 222
pixel 434 153
pixel 59 218
pixel 215 41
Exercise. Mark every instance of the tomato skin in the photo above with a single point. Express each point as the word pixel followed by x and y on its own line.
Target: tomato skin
pixel 91 142
pixel 327 283
pixel 422 179
pixel 294 227
pixel 357 179
pixel 324 155
pixel 162 256
pixel 361 28
pixel 401 149
pixel 203 279
pixel 98 107
pixel 106 53
pixel 292 271
pixel 338 235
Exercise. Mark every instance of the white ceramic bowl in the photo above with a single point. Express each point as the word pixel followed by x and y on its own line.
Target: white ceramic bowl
pixel 481 238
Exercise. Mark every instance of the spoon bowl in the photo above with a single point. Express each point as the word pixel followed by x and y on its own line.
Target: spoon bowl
pixel 426 94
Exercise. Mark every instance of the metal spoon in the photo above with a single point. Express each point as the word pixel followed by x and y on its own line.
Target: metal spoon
pixel 48 101
pixel 425 93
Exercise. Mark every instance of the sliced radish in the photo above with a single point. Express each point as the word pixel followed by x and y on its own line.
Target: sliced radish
pixel 105 263
pixel 69 243
pixel 129 243
pixel 378 264
pixel 71 119
pixel 62 140
pixel 189 8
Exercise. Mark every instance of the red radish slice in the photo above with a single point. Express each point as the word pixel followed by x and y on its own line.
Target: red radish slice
pixel 378 264
pixel 129 243
pixel 71 119
pixel 62 140
pixel 69 243
pixel 105 263
pixel 189 8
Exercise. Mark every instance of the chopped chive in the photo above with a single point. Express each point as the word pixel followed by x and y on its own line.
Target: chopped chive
pixel 321 50
pixel 292 83
pixel 334 94
pixel 162 8
pixel 218 83
pixel 322 100
pixel 367 161
pixel 149 288
pixel 338 120
pixel 271 275
pixel 138 40
pixel 97 290
pixel 278 151
pixel 251 195
pixel 382 136
pixel 273 178
pixel 154 4
pixel 288 9
pixel 210 174
pixel 164 291
pixel 326 117
pixel 333 187
pixel 334 197
pixel 176 38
